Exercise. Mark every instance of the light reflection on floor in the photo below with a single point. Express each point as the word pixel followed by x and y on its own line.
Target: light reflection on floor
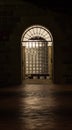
pixel 36 107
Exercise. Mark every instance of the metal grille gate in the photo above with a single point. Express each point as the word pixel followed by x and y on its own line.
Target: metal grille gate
pixel 36 58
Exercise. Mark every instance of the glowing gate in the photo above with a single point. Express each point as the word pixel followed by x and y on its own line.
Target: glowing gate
pixel 36 40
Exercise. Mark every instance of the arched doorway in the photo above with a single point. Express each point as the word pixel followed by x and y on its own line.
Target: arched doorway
pixel 37 52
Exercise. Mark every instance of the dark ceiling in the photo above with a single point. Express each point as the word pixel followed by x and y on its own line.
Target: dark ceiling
pixel 57 5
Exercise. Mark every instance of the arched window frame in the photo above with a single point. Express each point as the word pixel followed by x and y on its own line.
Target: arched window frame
pixel 37 31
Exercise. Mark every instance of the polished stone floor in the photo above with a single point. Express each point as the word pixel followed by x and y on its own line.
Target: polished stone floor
pixel 36 105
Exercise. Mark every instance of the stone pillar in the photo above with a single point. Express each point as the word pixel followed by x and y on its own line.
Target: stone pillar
pixel 50 61
pixel 23 62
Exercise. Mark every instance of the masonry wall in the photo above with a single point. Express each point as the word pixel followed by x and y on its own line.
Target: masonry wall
pixel 14 19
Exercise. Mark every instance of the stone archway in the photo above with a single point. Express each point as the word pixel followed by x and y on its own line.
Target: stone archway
pixel 37 52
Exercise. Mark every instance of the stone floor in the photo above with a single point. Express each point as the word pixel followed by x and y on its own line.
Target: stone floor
pixel 36 105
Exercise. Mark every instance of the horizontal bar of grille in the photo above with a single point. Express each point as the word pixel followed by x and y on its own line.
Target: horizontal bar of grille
pixel 36 41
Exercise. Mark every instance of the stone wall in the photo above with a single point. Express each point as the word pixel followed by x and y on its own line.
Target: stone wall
pixel 15 17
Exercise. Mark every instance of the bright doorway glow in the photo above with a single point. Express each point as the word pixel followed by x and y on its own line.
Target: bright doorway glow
pixel 37 51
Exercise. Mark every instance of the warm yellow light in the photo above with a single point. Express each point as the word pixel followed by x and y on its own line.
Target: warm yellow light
pixel 49 43
pixel 33 44
pixel 37 31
